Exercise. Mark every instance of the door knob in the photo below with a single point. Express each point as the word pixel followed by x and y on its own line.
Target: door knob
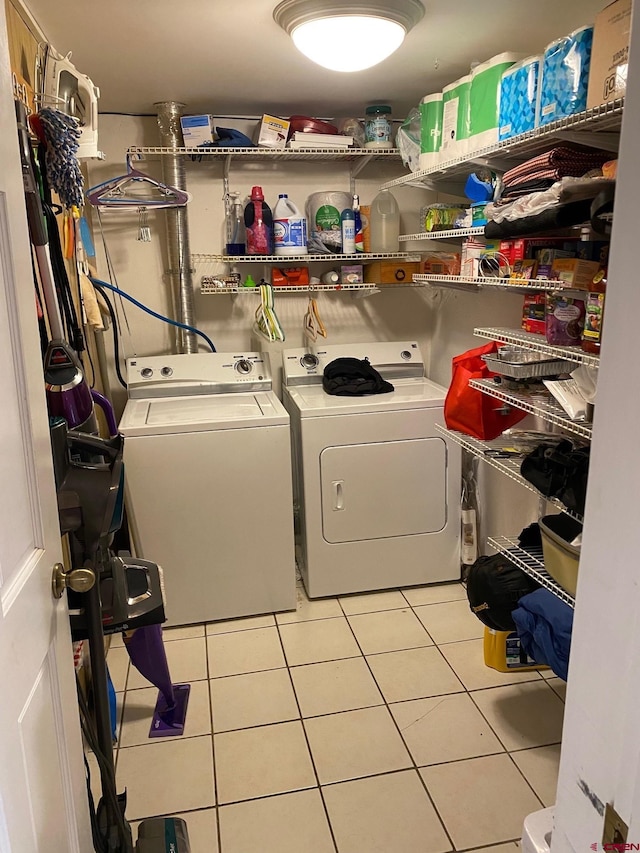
pixel 79 580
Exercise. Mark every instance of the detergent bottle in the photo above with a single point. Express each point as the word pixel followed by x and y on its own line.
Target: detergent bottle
pixel 259 224
pixel 289 228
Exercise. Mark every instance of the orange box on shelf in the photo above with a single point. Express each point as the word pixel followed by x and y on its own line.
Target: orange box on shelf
pixel 390 272
pixel 289 276
pixel 574 272
pixel 440 263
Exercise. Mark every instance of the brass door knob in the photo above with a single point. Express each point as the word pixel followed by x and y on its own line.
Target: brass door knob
pixel 79 580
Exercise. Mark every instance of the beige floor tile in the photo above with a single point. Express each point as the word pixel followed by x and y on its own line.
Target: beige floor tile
pixel 373 601
pixel 355 743
pixel 384 814
pixel 186 632
pixel 289 823
pixel 445 728
pixel 481 801
pixel 202 829
pixel 540 767
pixel 413 674
pixel 312 642
pixel 511 847
pixel 187 661
pixel 389 631
pixel 309 609
pixel 256 699
pixel 246 624
pixel 450 622
pixel 118 664
pixel 244 651
pixel 339 685
pixel 139 709
pixel 258 762
pixel 523 715
pixel 169 777
pixel 116 641
pixel 467 661
pixel 558 686
pixel 420 595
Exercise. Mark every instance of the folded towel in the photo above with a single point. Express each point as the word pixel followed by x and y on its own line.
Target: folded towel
pixel 544 624
pixel 558 163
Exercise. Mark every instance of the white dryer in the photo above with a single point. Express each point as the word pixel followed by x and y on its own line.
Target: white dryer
pixel 376 488
pixel 207 461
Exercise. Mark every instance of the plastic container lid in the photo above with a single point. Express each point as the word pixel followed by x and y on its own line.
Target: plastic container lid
pixel 377 109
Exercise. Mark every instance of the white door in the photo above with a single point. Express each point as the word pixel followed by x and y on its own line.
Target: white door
pixel 43 802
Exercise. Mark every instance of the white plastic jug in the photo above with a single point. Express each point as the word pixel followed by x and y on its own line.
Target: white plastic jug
pixel 384 222
pixel 289 228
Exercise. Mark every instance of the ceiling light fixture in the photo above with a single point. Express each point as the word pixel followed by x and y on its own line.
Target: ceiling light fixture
pixel 348 36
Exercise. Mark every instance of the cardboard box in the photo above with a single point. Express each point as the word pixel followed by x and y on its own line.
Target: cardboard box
pixel 352 273
pixel 440 263
pixel 272 132
pixel 546 257
pixel 574 272
pixel 533 313
pixel 390 272
pixel 610 54
pixel 197 130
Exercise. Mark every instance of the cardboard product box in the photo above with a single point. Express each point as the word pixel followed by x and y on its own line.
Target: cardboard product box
pixel 574 272
pixel 272 132
pixel 440 263
pixel 524 247
pixel 197 130
pixel 546 257
pixel 390 272
pixel 593 250
pixel 610 54
pixel 533 313
pixel 353 273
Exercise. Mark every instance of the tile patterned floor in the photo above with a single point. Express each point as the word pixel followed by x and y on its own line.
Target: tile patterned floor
pixel 359 724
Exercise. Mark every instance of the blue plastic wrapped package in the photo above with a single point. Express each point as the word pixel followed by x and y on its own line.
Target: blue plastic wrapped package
pixel 519 88
pixel 565 76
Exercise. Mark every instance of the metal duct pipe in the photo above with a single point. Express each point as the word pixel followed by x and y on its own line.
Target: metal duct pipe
pixel 178 251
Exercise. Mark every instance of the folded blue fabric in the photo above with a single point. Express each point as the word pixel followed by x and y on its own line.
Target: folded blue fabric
pixel 544 625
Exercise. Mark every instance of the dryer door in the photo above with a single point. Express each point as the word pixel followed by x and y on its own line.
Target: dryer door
pixel 383 489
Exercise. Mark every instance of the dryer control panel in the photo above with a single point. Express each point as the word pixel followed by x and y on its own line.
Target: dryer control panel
pixel 201 373
pixel 394 360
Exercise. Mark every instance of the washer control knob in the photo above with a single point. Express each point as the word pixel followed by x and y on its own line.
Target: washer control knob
pixel 406 355
pixel 146 373
pixel 167 371
pixel 309 360
pixel 243 366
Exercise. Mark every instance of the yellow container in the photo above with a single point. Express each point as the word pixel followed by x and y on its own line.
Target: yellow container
pixel 502 651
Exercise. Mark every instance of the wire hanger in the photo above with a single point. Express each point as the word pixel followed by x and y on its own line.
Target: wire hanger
pixel 267 322
pixel 312 322
pixel 118 192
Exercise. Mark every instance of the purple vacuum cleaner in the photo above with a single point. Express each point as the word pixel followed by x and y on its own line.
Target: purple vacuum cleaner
pixel 147 654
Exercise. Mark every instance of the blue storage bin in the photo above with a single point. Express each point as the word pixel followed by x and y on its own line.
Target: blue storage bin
pixel 565 76
pixel 519 98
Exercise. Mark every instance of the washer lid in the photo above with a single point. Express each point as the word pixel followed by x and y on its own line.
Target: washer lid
pixel 163 416
pixel 314 402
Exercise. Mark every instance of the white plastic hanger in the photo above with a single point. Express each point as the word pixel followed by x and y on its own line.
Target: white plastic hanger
pixel 267 322
pixel 313 325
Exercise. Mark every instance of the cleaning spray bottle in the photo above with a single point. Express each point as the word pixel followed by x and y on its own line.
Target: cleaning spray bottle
pixel 348 221
pixel 258 221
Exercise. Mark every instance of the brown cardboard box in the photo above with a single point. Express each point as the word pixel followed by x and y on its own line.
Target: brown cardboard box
pixel 390 272
pixel 610 53
pixel 574 272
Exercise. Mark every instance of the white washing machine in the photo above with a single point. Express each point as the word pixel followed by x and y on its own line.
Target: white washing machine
pixel 377 489
pixel 207 460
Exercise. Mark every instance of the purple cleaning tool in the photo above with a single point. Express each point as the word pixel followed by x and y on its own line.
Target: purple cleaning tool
pixel 147 653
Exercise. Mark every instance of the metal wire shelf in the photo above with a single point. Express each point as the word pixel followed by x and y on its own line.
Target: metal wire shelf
pixel 529 340
pixel 287 154
pixel 539 403
pixel 510 467
pixel 451 234
pixel 209 289
pixel 199 257
pixel 602 120
pixel 472 284
pixel 532 563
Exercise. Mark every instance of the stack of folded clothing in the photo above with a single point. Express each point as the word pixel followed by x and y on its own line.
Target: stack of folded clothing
pixel 541 172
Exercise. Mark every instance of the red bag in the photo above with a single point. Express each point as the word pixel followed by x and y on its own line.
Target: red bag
pixel 470 411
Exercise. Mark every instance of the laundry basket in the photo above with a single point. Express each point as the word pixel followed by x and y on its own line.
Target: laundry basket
pixel 561 558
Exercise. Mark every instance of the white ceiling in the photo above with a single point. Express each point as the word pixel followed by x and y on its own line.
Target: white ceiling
pixel 229 57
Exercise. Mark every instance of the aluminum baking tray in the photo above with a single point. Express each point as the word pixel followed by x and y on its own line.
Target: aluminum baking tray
pixel 520 363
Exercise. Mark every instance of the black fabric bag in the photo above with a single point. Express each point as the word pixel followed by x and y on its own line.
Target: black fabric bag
pixel 559 471
pixel 353 377
pixel 494 588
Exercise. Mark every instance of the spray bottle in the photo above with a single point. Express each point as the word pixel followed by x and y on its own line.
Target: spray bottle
pixel 359 232
pixel 347 220
pixel 259 224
